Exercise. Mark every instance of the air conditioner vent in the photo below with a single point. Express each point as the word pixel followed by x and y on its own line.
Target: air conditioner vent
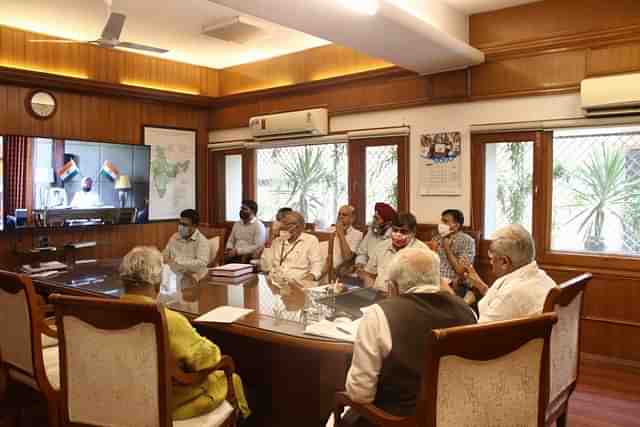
pixel 237 30
pixel 611 95
pixel 294 124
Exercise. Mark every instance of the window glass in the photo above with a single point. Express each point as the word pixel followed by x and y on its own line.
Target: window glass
pixel 311 179
pixel 381 176
pixel 508 190
pixel 596 190
pixel 233 186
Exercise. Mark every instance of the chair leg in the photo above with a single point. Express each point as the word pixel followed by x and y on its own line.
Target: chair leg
pixel 53 413
pixel 562 420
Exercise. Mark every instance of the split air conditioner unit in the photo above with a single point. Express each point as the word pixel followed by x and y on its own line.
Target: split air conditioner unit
pixel 611 95
pixel 295 124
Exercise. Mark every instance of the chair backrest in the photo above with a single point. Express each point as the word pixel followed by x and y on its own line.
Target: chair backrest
pixel 566 301
pixel 326 249
pixel 20 335
pixel 491 374
pixel 216 238
pixel 114 362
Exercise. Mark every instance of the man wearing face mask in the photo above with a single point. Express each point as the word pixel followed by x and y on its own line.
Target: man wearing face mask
pixel 247 235
pixel 521 287
pixel 455 249
pixel 403 235
pixel 188 250
pixel 389 350
pixel 86 199
pixel 295 254
pixel 379 230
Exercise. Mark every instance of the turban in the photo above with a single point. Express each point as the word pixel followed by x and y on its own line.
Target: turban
pixel 386 212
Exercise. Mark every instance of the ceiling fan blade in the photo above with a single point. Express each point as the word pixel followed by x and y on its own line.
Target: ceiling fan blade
pixel 113 27
pixel 141 47
pixel 54 41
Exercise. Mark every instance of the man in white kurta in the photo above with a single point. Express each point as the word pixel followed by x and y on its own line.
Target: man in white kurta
pixel 521 287
pixel 347 237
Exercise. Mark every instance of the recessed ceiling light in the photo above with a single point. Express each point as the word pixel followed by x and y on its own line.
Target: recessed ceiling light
pixel 367 7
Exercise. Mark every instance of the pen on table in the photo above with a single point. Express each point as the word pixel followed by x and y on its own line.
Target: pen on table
pixel 343 330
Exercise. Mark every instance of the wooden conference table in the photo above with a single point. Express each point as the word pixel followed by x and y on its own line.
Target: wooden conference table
pixel 293 376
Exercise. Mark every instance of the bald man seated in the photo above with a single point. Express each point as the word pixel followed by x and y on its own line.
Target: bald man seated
pixel 86 199
pixel 389 350
pixel 346 241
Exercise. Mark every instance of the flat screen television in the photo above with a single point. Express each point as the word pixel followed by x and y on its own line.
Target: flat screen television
pixel 52 183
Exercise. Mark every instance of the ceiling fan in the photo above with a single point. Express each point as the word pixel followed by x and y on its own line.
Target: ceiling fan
pixel 110 37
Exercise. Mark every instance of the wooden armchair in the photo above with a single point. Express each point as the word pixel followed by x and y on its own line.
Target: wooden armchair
pixel 326 249
pixel 117 368
pixel 216 238
pixel 24 359
pixel 566 301
pixel 485 375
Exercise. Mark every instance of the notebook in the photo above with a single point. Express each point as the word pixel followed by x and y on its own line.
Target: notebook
pixel 231 270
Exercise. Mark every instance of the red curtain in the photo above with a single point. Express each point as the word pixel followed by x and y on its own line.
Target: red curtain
pixel 18 166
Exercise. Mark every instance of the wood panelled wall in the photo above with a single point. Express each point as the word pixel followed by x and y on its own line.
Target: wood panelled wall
pixel 112 241
pixel 541 48
pixel 310 65
pixel 104 65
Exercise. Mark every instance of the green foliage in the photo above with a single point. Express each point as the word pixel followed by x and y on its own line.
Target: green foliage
pixel 601 188
pixel 514 189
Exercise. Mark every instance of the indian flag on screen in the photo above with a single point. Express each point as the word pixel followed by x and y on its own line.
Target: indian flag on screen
pixel 69 170
pixel 109 169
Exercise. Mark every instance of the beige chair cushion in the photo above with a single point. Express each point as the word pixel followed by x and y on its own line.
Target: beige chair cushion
pixel 16 340
pixel 47 341
pixel 564 348
pixel 112 375
pixel 502 392
pixel 214 418
pixel 51 357
pixel 214 243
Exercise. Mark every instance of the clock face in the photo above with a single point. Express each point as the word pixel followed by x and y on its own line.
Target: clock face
pixel 42 104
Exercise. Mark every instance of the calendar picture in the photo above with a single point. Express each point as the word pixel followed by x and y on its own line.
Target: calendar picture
pixel 440 164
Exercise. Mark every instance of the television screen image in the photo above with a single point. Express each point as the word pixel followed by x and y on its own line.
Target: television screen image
pixel 51 183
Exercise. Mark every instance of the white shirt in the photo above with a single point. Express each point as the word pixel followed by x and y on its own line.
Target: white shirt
pixel 381 260
pixel 247 238
pixel 353 236
pixel 294 259
pixel 372 345
pixel 368 245
pixel 517 294
pixel 85 200
pixel 190 255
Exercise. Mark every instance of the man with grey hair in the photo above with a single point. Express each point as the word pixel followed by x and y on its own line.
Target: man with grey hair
pixel 521 286
pixel 295 255
pixel 390 345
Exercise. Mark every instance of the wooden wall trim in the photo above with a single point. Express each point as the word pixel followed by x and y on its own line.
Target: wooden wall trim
pixel 612 321
pixel 69 84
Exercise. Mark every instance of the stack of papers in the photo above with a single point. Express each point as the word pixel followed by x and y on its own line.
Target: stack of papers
pixel 344 331
pixel 231 270
pixel 44 266
pixel 224 314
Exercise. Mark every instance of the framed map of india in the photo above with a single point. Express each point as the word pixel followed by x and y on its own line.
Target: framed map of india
pixel 172 186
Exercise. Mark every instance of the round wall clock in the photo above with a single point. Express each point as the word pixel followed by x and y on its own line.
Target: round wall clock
pixel 41 104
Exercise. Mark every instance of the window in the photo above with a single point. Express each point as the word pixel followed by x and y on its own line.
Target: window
pixel 233 186
pixel 382 176
pixel 311 179
pixel 508 186
pixel 596 191
pixel 315 179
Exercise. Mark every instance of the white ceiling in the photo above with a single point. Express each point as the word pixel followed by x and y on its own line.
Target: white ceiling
pixel 477 6
pixel 176 25
pixel 171 24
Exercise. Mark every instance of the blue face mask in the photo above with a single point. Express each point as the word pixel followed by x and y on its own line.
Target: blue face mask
pixel 183 230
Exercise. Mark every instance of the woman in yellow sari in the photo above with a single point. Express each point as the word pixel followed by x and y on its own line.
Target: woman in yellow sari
pixel 141 271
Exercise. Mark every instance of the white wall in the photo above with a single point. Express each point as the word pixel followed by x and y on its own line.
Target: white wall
pixel 446 118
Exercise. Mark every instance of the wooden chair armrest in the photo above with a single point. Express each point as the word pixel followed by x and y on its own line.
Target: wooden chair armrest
pixel 372 413
pixel 47 329
pixel 47 310
pixel 190 378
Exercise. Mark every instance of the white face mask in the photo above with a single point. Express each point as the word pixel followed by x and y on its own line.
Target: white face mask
pixel 285 234
pixel 443 229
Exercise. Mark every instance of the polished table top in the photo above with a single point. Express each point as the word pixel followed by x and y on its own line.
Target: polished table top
pixel 277 315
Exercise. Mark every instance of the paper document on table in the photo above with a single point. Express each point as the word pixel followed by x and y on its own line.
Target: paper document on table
pixel 224 314
pixel 344 331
